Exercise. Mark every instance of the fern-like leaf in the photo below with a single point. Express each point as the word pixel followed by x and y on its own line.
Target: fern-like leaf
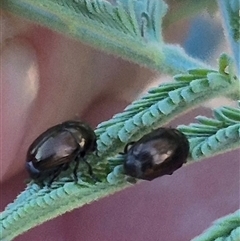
pixel 206 138
pixel 154 109
pixel 224 229
pixel 214 135
pixel 159 106
pixel 230 16
pixel 131 29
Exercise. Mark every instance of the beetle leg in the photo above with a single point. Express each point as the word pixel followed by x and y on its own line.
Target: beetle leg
pixel 127 147
pixel 89 168
pixel 90 171
pixel 57 172
pixel 80 156
pixel 76 168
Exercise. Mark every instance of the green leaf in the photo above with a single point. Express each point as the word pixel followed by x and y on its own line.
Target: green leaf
pixel 154 109
pixel 227 114
pixel 209 121
pixel 130 29
pixel 45 203
pixel 213 136
pixel 225 228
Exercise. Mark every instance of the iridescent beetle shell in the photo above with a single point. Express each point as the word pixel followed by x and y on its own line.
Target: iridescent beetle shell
pixel 57 147
pixel 158 153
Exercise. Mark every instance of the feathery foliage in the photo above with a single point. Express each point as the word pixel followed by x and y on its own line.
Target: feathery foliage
pixel 131 29
pixel 226 228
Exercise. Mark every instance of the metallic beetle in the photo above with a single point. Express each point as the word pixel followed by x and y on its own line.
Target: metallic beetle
pixel 57 147
pixel 158 153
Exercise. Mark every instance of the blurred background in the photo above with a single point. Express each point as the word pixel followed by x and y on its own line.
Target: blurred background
pixel 170 208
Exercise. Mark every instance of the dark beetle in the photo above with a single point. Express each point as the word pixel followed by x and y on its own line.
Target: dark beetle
pixel 158 153
pixel 57 147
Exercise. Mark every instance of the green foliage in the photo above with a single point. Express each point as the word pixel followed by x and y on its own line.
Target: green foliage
pixel 230 12
pixel 206 138
pixel 224 229
pixel 131 29
pixel 153 109
pixel 214 135
pixel 160 105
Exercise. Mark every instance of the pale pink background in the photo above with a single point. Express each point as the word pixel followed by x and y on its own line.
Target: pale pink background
pixel 174 208
pixel 65 84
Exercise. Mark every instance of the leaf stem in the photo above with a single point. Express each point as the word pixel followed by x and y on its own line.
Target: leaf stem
pixel 230 11
pixel 38 207
pixel 225 228
pixel 99 33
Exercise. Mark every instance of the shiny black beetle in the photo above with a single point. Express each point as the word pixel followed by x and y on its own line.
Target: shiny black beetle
pixel 158 153
pixel 57 147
